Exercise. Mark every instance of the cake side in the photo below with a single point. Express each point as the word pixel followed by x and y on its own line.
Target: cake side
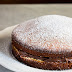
pixel 42 62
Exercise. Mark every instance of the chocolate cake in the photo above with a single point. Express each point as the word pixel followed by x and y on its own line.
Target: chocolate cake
pixel 44 42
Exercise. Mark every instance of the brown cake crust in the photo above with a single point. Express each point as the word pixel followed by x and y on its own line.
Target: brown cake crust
pixel 42 62
pixel 37 52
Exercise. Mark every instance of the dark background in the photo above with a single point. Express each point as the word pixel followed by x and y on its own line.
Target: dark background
pixel 33 1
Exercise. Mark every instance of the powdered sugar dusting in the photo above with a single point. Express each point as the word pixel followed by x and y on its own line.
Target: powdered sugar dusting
pixel 52 33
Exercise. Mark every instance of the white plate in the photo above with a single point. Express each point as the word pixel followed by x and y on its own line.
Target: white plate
pixel 6 58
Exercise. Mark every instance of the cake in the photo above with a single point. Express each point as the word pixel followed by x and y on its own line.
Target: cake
pixel 44 42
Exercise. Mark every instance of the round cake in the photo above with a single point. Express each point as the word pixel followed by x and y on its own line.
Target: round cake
pixel 44 42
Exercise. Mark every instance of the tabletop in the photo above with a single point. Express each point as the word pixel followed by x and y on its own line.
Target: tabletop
pixel 15 14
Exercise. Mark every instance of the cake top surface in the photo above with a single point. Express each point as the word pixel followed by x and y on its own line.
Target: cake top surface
pixel 52 33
